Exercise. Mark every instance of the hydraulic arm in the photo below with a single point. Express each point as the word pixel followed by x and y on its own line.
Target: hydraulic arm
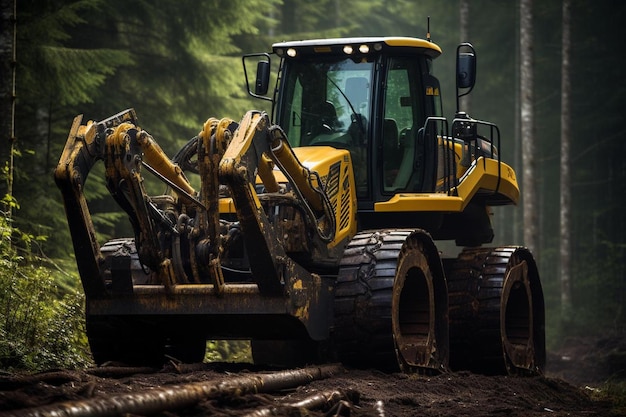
pixel 228 154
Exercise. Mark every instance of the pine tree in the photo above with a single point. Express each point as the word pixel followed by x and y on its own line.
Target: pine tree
pixel 52 76
pixel 529 187
pixel 7 100
pixel 565 200
pixel 177 63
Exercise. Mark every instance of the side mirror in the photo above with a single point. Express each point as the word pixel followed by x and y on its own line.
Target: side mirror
pixel 262 78
pixel 465 70
pixel 263 69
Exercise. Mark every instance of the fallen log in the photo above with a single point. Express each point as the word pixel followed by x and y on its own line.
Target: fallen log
pixel 178 396
pixel 320 400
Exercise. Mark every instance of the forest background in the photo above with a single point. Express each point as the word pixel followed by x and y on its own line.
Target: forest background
pixel 178 63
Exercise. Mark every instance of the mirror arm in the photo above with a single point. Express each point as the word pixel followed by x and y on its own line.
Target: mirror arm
pixel 261 83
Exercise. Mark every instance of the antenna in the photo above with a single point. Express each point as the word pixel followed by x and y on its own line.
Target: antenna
pixel 428 28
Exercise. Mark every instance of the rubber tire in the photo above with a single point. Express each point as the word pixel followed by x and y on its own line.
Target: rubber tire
pixel 419 311
pixel 497 318
pixel 363 331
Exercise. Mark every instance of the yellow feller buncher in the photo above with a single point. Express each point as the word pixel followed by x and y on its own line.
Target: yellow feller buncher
pixel 316 232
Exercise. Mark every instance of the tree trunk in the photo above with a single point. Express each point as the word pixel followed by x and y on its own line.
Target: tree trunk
pixel 565 249
pixel 289 25
pixel 464 34
pixel 6 57
pixel 529 183
pixel 7 93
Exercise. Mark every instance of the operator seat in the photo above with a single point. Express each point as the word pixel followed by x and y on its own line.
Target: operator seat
pixel 392 151
pixel 328 116
pixel 322 120
pixel 406 165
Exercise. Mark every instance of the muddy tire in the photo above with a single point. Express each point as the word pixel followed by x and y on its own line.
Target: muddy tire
pixel 384 322
pixel 497 319
pixel 419 310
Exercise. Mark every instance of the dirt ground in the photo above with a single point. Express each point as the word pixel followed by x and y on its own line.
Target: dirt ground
pixel 573 374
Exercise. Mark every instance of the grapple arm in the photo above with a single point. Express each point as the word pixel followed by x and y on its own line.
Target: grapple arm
pixel 246 157
pixel 81 152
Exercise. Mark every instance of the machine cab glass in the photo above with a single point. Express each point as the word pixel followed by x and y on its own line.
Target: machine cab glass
pixel 330 100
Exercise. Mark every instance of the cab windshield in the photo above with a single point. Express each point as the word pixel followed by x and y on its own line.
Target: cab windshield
pixel 329 101
pixel 326 102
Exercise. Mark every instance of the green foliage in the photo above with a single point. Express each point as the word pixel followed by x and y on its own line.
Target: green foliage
pixel 186 64
pixel 228 351
pixel 613 391
pixel 53 75
pixel 51 70
pixel 89 69
pixel 40 327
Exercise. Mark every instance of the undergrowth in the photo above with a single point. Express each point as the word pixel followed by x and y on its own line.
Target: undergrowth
pixel 228 351
pixel 613 391
pixel 41 323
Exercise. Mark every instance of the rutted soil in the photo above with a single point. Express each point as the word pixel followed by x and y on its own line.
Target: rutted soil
pixel 571 377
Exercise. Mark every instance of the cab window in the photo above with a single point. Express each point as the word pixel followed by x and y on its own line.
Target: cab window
pixel 403 116
pixel 328 102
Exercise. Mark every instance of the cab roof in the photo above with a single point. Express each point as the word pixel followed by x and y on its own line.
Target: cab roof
pixel 373 43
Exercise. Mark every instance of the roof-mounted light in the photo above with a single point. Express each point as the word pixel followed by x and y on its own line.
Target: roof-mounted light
pixel 291 52
pixel 348 49
pixel 364 49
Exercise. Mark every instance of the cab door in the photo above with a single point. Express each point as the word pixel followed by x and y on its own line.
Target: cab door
pixel 404 112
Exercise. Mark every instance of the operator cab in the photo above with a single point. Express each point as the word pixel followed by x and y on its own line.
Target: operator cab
pixel 367 95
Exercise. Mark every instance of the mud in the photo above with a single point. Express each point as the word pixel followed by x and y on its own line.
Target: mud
pixel 572 376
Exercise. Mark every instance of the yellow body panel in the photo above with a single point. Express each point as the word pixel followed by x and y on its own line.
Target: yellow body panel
pixel 317 158
pixel 227 205
pixel 481 178
pixel 420 202
pixel 321 159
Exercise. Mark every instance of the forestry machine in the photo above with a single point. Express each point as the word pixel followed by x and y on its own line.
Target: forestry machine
pixel 318 231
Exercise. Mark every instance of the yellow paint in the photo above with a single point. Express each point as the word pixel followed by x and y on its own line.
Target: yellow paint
pixel 242 140
pixel 431 91
pixel 252 191
pixel 481 176
pixel 412 42
pixel 226 205
pixel 323 45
